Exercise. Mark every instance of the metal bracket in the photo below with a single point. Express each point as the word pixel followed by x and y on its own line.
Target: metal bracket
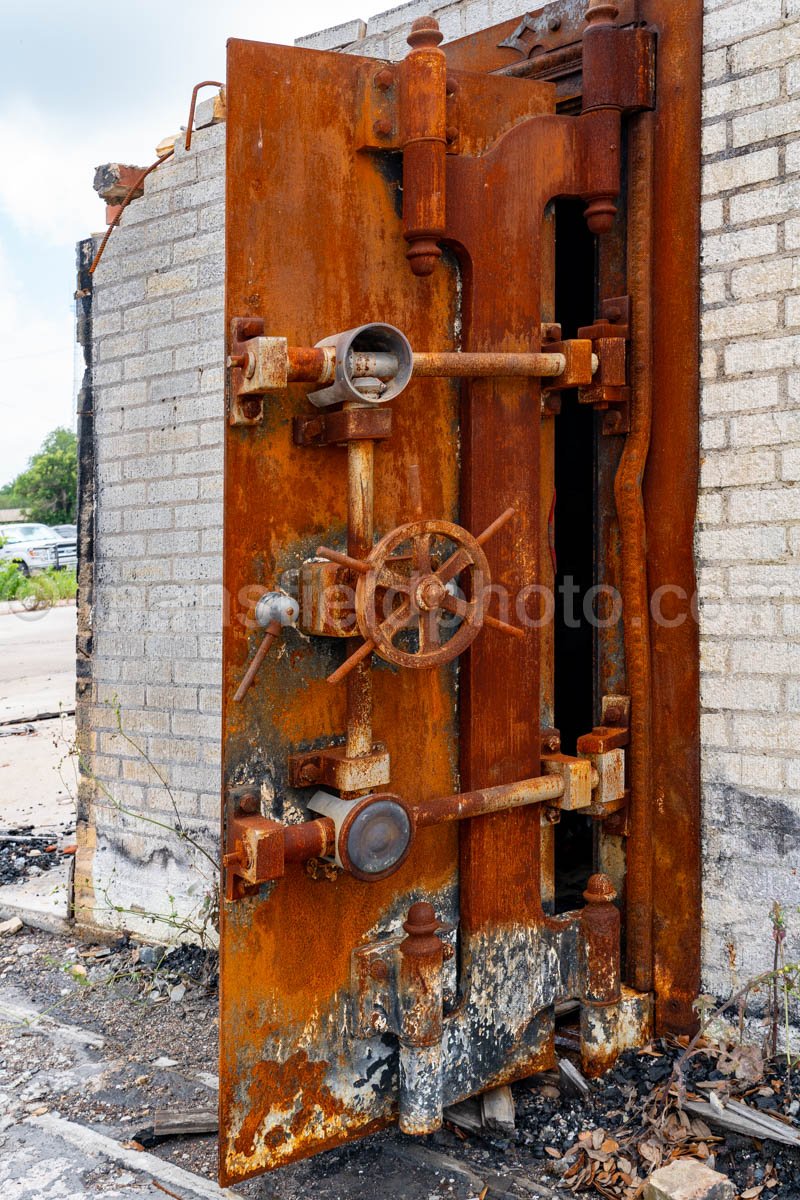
pixel 609 392
pixel 579 367
pixel 340 427
pixel 577 776
pixel 604 748
pixel 332 768
pixel 243 409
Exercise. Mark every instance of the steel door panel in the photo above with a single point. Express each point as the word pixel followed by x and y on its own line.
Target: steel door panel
pixel 314 246
pixel 319 187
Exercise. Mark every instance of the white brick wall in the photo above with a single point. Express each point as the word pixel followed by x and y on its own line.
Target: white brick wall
pixel 158 375
pixel 748 538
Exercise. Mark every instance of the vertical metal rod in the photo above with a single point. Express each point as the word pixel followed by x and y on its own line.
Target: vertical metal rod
pixel 360 507
pixel 633 544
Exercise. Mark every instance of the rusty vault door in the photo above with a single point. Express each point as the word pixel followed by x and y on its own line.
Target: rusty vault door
pixel 391 776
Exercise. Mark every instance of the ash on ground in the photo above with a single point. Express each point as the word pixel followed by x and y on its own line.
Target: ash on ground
pixel 25 854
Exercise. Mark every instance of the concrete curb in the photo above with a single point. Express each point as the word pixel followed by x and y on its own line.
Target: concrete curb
pixel 41 902
pixel 98 1144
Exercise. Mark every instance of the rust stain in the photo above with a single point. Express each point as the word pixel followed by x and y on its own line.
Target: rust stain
pixel 296 1081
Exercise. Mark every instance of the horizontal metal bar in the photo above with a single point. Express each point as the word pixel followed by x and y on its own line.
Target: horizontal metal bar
pixel 317 365
pixel 457 365
pixel 464 805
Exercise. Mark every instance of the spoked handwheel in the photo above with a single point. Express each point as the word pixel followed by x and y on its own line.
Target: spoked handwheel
pixel 407 583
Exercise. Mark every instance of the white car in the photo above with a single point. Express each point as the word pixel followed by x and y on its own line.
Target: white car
pixel 35 547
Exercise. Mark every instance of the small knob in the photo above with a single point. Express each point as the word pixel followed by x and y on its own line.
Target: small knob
pixel 278 607
pixel 422 926
pixel 601 12
pixel 425 34
pixel 599 890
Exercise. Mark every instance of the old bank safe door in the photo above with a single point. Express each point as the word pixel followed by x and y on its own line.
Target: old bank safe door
pixel 446 372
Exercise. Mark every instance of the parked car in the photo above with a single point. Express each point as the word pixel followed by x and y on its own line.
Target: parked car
pixel 35 547
pixel 68 532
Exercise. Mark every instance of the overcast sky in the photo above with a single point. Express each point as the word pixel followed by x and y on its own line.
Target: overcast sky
pixel 82 83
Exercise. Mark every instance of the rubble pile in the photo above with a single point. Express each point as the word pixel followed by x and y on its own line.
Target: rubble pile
pixel 643 1115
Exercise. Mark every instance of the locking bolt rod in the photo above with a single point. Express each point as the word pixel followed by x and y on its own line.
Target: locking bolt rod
pixel 317 365
pixel 311 839
pixel 464 805
pixel 460 365
pixel 360 531
pixel 259 848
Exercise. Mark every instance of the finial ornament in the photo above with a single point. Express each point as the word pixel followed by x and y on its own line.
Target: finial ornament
pixel 601 12
pixel 425 33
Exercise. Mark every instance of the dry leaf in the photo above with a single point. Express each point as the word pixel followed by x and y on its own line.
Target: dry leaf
pixel 574 1169
pixel 609 1145
pixel 751 1193
pixel 598 1137
pixel 552 1152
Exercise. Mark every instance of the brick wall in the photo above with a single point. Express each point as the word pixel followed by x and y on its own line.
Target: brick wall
pixel 150 712
pixel 748 537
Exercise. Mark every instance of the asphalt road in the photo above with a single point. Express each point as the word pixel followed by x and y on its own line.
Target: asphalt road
pixel 37 662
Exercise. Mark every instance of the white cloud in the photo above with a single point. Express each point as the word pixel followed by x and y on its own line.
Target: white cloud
pixel 36 371
pixel 49 194
pixel 52 139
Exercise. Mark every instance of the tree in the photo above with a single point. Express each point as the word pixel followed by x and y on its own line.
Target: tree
pixel 48 490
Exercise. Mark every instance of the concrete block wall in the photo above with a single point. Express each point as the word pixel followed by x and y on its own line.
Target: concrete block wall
pixel 384 35
pixel 748 534
pixel 150 716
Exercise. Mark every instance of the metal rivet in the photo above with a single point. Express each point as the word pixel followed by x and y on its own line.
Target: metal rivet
pixel 249 803
pixel 553 24
pixel 382 127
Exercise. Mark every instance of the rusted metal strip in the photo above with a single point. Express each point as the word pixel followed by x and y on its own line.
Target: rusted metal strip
pixel 633 543
pixel 672 471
